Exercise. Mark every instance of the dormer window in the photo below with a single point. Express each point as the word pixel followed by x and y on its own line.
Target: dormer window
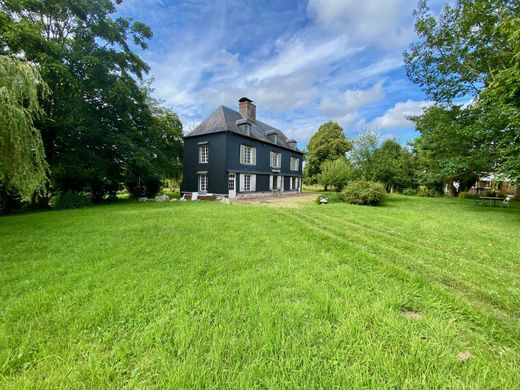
pixel 245 126
pixel 272 135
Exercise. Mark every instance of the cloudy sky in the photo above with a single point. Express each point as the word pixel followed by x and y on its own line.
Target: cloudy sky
pixel 302 62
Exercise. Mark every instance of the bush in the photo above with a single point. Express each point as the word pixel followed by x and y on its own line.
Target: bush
pixel 409 192
pixel 335 173
pixel 70 200
pixel 364 192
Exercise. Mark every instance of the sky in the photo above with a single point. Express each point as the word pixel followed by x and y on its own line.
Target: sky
pixel 303 63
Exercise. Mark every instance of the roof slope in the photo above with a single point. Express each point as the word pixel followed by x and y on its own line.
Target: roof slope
pixel 225 119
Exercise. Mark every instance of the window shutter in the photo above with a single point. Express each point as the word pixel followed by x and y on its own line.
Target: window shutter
pixel 253 156
pixel 253 182
pixel 242 154
pixel 241 182
pixel 271 182
pixel 290 183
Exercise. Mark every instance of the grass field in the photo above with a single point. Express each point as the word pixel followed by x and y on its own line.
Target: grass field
pixel 417 293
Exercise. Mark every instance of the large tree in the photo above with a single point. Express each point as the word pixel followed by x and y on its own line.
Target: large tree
pixel 394 166
pixel 328 143
pixel 23 169
pixel 470 52
pixel 99 119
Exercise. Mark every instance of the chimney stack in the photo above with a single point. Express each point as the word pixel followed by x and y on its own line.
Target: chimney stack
pixel 247 109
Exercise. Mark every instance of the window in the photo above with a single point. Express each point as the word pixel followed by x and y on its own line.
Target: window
pixel 247 182
pixel 247 129
pixel 247 155
pixel 203 183
pixel 276 160
pixel 203 154
pixel 295 164
pixel 231 182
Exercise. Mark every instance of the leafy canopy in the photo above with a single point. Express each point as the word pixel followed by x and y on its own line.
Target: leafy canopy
pixel 328 143
pixel 23 168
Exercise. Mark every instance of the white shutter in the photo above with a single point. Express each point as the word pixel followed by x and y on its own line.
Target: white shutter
pixel 290 183
pixel 242 154
pixel 253 182
pixel 241 182
pixel 253 156
pixel 270 182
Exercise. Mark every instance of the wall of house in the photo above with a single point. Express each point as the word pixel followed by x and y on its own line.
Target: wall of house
pixel 224 157
pixel 263 161
pixel 216 165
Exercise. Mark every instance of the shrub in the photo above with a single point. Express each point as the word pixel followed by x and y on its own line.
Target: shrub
pixel 364 192
pixel 335 173
pixel 70 200
pixel 423 191
pixel 409 192
pixel 463 194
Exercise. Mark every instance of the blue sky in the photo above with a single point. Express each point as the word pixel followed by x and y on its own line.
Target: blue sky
pixel 302 62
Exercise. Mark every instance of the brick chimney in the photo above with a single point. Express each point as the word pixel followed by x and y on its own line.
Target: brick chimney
pixel 247 109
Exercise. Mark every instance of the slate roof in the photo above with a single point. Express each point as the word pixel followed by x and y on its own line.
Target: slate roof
pixel 225 119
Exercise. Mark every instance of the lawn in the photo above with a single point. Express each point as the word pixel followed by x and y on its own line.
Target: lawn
pixel 417 293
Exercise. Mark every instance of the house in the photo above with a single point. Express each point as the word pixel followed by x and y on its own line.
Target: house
pixel 232 153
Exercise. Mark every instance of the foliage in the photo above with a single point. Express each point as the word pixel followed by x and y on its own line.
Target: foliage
pixel 364 192
pixel 424 191
pixel 471 51
pixel 335 173
pixel 70 200
pixel 448 148
pixel 394 166
pixel 363 154
pixel 329 143
pixel 23 168
pixel 101 124
pixel 409 192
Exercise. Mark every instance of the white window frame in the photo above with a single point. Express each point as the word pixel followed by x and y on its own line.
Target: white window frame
pixel 295 164
pixel 276 160
pixel 247 155
pixel 203 183
pixel 247 182
pixel 203 154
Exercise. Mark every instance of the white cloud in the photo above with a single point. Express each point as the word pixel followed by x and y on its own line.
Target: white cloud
pixel 374 22
pixel 396 117
pixel 297 55
pixel 351 100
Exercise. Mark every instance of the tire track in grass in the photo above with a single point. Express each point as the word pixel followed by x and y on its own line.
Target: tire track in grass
pixel 512 266
pixel 439 275
pixel 492 313
pixel 504 279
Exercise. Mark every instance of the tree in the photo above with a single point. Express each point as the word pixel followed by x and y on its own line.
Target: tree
pixel 335 173
pixel 363 155
pixel 328 143
pixel 23 169
pixel 471 51
pixel 450 148
pixel 99 119
pixel 393 166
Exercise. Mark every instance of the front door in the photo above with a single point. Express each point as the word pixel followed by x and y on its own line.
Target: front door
pixel 232 185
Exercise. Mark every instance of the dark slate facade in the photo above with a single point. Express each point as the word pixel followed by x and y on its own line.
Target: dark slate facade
pixel 230 154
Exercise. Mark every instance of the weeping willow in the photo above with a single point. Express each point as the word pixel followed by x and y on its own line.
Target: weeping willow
pixel 23 167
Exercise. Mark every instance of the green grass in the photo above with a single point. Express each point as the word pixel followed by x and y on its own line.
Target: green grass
pixel 206 295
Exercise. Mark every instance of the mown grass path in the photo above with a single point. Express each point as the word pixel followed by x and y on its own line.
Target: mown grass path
pixel 204 295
